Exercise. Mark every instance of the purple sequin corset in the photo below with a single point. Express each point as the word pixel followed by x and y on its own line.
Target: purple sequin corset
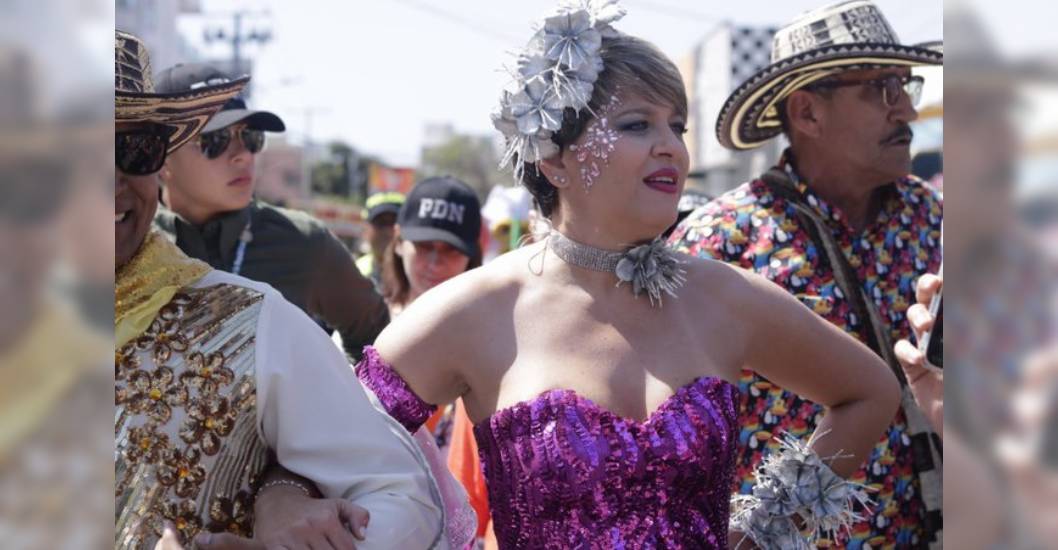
pixel 563 472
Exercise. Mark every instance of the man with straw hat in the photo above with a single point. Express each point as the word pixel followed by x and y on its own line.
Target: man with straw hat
pixel 841 224
pixel 215 374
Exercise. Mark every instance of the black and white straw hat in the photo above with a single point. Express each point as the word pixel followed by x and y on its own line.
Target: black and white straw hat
pixel 136 100
pixel 845 36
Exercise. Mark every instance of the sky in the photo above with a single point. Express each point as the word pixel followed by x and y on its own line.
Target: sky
pixel 374 73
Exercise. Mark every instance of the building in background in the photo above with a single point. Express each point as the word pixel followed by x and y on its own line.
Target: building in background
pixel 724 58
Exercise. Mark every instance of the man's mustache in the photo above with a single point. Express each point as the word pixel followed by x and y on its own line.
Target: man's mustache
pixel 903 132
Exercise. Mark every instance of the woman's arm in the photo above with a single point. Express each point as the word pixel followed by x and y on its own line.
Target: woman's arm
pixel 798 350
pixel 430 344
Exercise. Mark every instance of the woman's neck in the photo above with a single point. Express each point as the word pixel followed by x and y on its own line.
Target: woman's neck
pixel 603 238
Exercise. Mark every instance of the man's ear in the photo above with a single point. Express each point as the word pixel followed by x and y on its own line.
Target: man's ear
pixel 555 169
pixel 166 173
pixel 804 113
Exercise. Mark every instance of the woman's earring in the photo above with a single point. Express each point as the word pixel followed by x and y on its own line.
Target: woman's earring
pixel 560 179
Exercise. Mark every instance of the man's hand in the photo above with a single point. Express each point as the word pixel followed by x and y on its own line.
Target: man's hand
pixel 927 385
pixel 286 518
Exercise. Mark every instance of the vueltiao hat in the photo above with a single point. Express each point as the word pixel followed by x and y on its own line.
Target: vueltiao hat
pixel 135 99
pixel 849 35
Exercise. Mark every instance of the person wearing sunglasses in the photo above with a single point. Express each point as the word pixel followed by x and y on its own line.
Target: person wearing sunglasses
pixel 840 223
pixel 213 216
pixel 216 377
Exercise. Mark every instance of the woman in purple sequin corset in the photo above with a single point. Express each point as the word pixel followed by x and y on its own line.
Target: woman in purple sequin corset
pixel 600 373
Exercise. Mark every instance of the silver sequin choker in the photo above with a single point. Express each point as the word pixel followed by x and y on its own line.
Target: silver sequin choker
pixel 653 268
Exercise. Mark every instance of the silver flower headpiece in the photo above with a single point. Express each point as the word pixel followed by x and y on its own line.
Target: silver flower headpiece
pixel 557 70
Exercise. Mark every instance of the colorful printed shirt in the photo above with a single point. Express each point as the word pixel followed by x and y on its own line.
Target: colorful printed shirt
pixel 750 228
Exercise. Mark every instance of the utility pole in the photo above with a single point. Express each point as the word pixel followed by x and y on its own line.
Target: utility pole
pixel 307 149
pixel 237 38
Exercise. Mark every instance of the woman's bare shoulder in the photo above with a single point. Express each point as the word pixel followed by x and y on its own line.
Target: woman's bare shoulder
pixel 742 292
pixel 715 277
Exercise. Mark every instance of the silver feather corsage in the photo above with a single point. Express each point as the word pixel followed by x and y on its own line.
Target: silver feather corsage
pixel 794 484
pixel 653 268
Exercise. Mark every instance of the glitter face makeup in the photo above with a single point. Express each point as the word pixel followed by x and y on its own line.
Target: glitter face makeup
pixel 599 141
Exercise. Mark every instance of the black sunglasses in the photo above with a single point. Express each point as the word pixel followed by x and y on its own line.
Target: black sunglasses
pixel 215 143
pixel 891 86
pixel 141 151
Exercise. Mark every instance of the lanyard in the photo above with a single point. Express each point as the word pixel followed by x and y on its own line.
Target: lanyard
pixel 244 239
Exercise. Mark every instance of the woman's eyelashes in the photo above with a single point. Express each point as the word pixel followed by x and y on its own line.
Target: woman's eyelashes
pixel 634 126
pixel 640 126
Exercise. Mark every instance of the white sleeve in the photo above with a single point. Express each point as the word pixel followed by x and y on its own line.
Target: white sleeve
pixel 313 412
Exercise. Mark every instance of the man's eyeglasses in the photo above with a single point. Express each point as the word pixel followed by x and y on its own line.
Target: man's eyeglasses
pixel 891 86
pixel 141 151
pixel 215 143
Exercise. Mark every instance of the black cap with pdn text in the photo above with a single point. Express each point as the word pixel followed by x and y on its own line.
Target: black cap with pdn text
pixel 442 209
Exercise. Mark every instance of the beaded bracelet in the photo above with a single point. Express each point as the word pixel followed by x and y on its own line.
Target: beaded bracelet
pixel 793 489
pixel 287 482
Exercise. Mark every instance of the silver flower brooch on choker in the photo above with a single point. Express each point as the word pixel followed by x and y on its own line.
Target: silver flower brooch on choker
pixel 653 268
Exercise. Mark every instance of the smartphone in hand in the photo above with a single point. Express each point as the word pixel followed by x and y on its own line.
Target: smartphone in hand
pixel 932 342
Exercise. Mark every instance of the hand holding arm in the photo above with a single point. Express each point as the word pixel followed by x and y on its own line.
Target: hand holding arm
pixel 290 512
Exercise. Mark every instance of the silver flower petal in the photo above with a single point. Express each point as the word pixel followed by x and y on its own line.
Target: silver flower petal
pixel 650 267
pixel 567 23
pixel 605 12
pixel 570 39
pixel 626 269
pixel 531 67
pixel 507 127
pixel 535 108
pixel 795 482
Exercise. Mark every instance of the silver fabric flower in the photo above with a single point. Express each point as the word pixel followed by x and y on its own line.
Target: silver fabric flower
pixel 605 12
pixel 570 38
pixel 536 148
pixel 557 69
pixel 536 107
pixel 654 268
pixel 576 86
pixel 796 483
pixel 527 148
pixel 535 67
pixel 502 119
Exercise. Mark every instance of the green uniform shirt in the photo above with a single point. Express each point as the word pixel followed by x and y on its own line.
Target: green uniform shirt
pixel 296 254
